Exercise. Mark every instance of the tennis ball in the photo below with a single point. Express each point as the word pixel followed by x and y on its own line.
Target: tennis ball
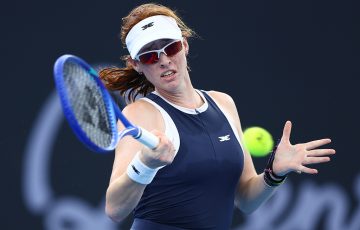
pixel 258 141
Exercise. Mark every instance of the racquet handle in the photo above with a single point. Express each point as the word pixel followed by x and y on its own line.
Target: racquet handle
pixel 147 138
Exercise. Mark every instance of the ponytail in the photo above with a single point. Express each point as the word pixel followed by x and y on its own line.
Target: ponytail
pixel 126 80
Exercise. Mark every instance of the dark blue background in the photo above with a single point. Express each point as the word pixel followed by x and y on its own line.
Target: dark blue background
pixel 279 60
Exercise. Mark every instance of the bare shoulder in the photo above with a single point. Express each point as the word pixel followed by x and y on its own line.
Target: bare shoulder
pixel 144 114
pixel 223 99
pixel 136 108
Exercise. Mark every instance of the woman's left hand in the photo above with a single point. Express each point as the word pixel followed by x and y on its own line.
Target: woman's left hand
pixel 296 157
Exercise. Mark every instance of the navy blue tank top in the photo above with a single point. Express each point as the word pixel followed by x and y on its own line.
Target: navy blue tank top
pixel 197 190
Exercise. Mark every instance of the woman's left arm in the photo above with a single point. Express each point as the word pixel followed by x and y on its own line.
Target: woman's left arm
pixel 252 190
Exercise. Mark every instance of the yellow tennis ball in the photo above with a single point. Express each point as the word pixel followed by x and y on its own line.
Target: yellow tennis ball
pixel 258 141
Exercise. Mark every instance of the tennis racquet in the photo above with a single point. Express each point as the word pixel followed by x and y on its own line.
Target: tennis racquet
pixel 89 108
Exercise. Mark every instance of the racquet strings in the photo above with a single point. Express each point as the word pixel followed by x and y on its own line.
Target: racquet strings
pixel 87 103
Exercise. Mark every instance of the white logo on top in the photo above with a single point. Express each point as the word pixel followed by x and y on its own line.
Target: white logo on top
pixel 224 138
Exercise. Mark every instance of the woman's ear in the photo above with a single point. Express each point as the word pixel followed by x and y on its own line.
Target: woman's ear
pixel 134 64
pixel 186 46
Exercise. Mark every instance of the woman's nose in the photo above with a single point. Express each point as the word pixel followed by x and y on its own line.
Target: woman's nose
pixel 164 59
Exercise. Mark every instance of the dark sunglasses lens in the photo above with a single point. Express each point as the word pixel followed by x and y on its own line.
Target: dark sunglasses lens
pixel 149 58
pixel 152 57
pixel 173 49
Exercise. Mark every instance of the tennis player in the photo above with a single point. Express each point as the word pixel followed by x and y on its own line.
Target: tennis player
pixel 199 170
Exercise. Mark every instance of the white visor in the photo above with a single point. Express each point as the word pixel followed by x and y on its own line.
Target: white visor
pixel 149 30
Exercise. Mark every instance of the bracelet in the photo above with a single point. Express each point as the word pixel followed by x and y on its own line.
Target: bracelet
pixel 270 178
pixel 139 172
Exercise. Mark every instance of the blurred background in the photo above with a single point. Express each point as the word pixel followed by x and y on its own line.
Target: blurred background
pixel 279 60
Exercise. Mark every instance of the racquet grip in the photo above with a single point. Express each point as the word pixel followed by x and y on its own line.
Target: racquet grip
pixel 148 139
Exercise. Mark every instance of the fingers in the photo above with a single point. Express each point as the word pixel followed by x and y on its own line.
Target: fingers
pixel 317 143
pixel 162 155
pixel 286 131
pixel 163 140
pixel 321 152
pixel 308 161
pixel 157 133
pixel 304 169
pixel 303 154
pixel 316 160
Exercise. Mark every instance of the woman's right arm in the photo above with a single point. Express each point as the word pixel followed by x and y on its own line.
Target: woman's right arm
pixel 123 194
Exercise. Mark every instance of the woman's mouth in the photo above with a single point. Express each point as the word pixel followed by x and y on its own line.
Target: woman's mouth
pixel 168 74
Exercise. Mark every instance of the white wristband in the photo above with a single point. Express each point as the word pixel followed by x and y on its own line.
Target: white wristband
pixel 139 172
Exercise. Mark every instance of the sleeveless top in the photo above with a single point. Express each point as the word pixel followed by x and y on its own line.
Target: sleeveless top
pixel 197 190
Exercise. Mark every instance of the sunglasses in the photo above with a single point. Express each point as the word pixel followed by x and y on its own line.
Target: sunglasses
pixel 153 56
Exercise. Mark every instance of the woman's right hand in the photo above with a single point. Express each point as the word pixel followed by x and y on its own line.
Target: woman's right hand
pixel 162 155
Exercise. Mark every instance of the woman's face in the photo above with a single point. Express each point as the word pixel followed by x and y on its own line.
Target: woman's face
pixel 169 72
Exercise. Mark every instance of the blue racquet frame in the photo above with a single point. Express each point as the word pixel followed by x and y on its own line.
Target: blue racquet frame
pixel 113 111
